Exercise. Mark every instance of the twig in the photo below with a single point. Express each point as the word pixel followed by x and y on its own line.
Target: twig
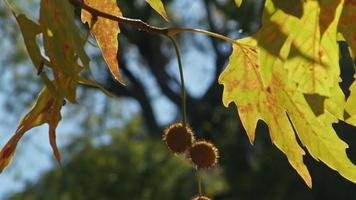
pixel 134 23
pixel 143 26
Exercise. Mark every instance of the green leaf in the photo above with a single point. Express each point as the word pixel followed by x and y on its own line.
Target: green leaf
pixel 159 7
pixel 105 32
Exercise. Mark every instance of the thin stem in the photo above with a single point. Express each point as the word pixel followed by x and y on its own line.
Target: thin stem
pixel 174 31
pixel 9 6
pixel 199 183
pixel 183 93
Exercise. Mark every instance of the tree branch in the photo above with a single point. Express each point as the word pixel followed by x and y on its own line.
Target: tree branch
pixel 134 23
pixel 143 26
pixel 137 92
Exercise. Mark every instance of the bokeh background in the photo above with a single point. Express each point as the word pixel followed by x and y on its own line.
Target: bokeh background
pixel 112 147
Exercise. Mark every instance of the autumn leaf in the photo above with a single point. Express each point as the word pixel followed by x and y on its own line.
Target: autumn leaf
pixel 275 39
pixel 46 110
pixel 283 108
pixel 275 34
pixel 73 34
pixel 347 25
pixel 59 48
pixel 350 108
pixel 63 45
pixel 243 85
pixel 238 2
pixel 105 32
pixel 289 78
pixel 159 7
pixel 310 54
pixel 313 61
pixel 62 40
pixel 30 30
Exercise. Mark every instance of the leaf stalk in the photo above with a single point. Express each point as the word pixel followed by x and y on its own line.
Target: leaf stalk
pixel 181 74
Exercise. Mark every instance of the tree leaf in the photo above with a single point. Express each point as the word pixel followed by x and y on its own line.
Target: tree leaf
pixel 46 110
pixel 73 34
pixel 105 32
pixel 62 39
pixel 274 42
pixel 283 107
pixel 347 25
pixel 243 85
pixel 350 108
pixel 159 7
pixel 59 48
pixel 63 45
pixel 238 3
pixel 316 70
pixel 30 30
pixel 276 37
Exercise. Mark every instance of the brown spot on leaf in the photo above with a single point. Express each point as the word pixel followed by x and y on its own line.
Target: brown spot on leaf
pixel 268 90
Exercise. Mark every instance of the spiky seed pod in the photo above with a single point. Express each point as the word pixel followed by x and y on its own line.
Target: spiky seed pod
pixel 178 138
pixel 201 198
pixel 203 154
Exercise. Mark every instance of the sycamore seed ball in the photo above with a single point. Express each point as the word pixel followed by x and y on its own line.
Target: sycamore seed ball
pixel 201 198
pixel 178 138
pixel 203 154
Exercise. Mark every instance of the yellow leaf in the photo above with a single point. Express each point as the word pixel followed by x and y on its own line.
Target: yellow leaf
pixel 276 37
pixel 350 107
pixel 313 62
pixel 238 2
pixel 347 25
pixel 46 110
pixel 283 107
pixel 274 41
pixel 105 32
pixel 243 85
pixel 159 7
